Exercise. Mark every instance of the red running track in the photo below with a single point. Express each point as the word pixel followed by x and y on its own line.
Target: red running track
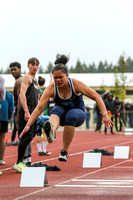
pixel 112 181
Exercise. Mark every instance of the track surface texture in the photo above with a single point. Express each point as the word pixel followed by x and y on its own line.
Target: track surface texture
pixel 112 181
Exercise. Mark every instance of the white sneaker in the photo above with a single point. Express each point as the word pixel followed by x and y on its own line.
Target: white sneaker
pixel 0 173
pixel 63 155
pixel 2 162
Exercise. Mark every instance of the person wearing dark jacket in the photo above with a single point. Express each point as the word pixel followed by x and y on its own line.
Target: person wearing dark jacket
pixel 119 116
pixel 110 106
pixel 99 120
pixel 6 111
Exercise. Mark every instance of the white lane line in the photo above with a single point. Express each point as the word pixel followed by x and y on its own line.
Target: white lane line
pixel 94 180
pixel 100 183
pixel 96 186
pixel 125 167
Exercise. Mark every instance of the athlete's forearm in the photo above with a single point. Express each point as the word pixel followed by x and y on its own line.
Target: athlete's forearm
pixel 36 113
pixel 23 101
pixel 101 105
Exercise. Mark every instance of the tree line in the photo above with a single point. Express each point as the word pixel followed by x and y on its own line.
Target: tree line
pixel 102 67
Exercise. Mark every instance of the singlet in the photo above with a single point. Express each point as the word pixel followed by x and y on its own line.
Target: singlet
pixel 75 101
pixel 32 96
pixel 41 90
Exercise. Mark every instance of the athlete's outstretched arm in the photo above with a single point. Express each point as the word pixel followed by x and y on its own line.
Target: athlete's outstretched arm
pixel 49 92
pixel 92 94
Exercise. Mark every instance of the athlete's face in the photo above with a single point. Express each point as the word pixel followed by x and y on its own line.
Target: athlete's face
pixel 60 78
pixel 33 68
pixel 15 71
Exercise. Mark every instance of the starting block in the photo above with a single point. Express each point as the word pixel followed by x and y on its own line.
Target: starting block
pixel 128 131
pixel 33 177
pixel 92 160
pixel 121 152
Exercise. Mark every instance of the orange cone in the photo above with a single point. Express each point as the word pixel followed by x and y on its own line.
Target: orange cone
pixel 6 139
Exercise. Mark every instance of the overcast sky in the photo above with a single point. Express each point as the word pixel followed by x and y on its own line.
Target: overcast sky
pixel 91 30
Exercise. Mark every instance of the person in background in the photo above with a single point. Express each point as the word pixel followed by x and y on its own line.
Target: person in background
pixel 110 106
pixel 87 111
pixel 15 68
pixel 99 120
pixel 2 94
pixel 119 116
pixel 29 100
pixel 41 139
pixel 6 111
pixel 130 115
pixel 69 109
pixel 2 89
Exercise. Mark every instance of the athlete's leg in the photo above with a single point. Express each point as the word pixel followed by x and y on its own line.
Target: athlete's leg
pixel 68 134
pixel 55 121
pixel 73 118
pixel 3 131
pixel 2 145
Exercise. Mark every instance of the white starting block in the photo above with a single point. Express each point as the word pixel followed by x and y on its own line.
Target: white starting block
pixel 128 131
pixel 92 160
pixel 121 152
pixel 33 177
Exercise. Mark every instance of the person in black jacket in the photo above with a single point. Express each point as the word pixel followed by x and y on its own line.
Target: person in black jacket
pixel 110 106
pixel 99 120
pixel 119 116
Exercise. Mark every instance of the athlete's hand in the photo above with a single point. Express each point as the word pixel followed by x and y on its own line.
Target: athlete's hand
pixel 24 130
pixel 26 116
pixel 108 122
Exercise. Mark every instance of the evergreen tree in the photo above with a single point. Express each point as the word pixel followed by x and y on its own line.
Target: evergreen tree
pixel 49 68
pixel 78 67
pixel 120 78
pixel 40 70
pixel 92 68
pixel 7 71
pixel 84 68
pixel 129 63
pixel 101 67
pixel 71 70
pixel 1 71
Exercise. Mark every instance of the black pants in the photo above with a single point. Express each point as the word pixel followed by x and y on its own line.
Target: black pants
pixel 99 122
pixel 111 128
pixel 26 138
pixel 14 131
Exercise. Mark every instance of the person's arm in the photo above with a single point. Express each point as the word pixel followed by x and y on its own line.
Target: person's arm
pixel 90 93
pixel 11 107
pixel 18 86
pixel 26 81
pixel 2 89
pixel 49 92
pixel 51 80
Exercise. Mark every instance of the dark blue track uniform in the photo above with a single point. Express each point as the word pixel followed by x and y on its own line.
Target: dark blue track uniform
pixel 71 111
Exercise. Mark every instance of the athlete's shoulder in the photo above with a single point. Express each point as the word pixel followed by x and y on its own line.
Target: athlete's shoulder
pixel 27 78
pixel 19 80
